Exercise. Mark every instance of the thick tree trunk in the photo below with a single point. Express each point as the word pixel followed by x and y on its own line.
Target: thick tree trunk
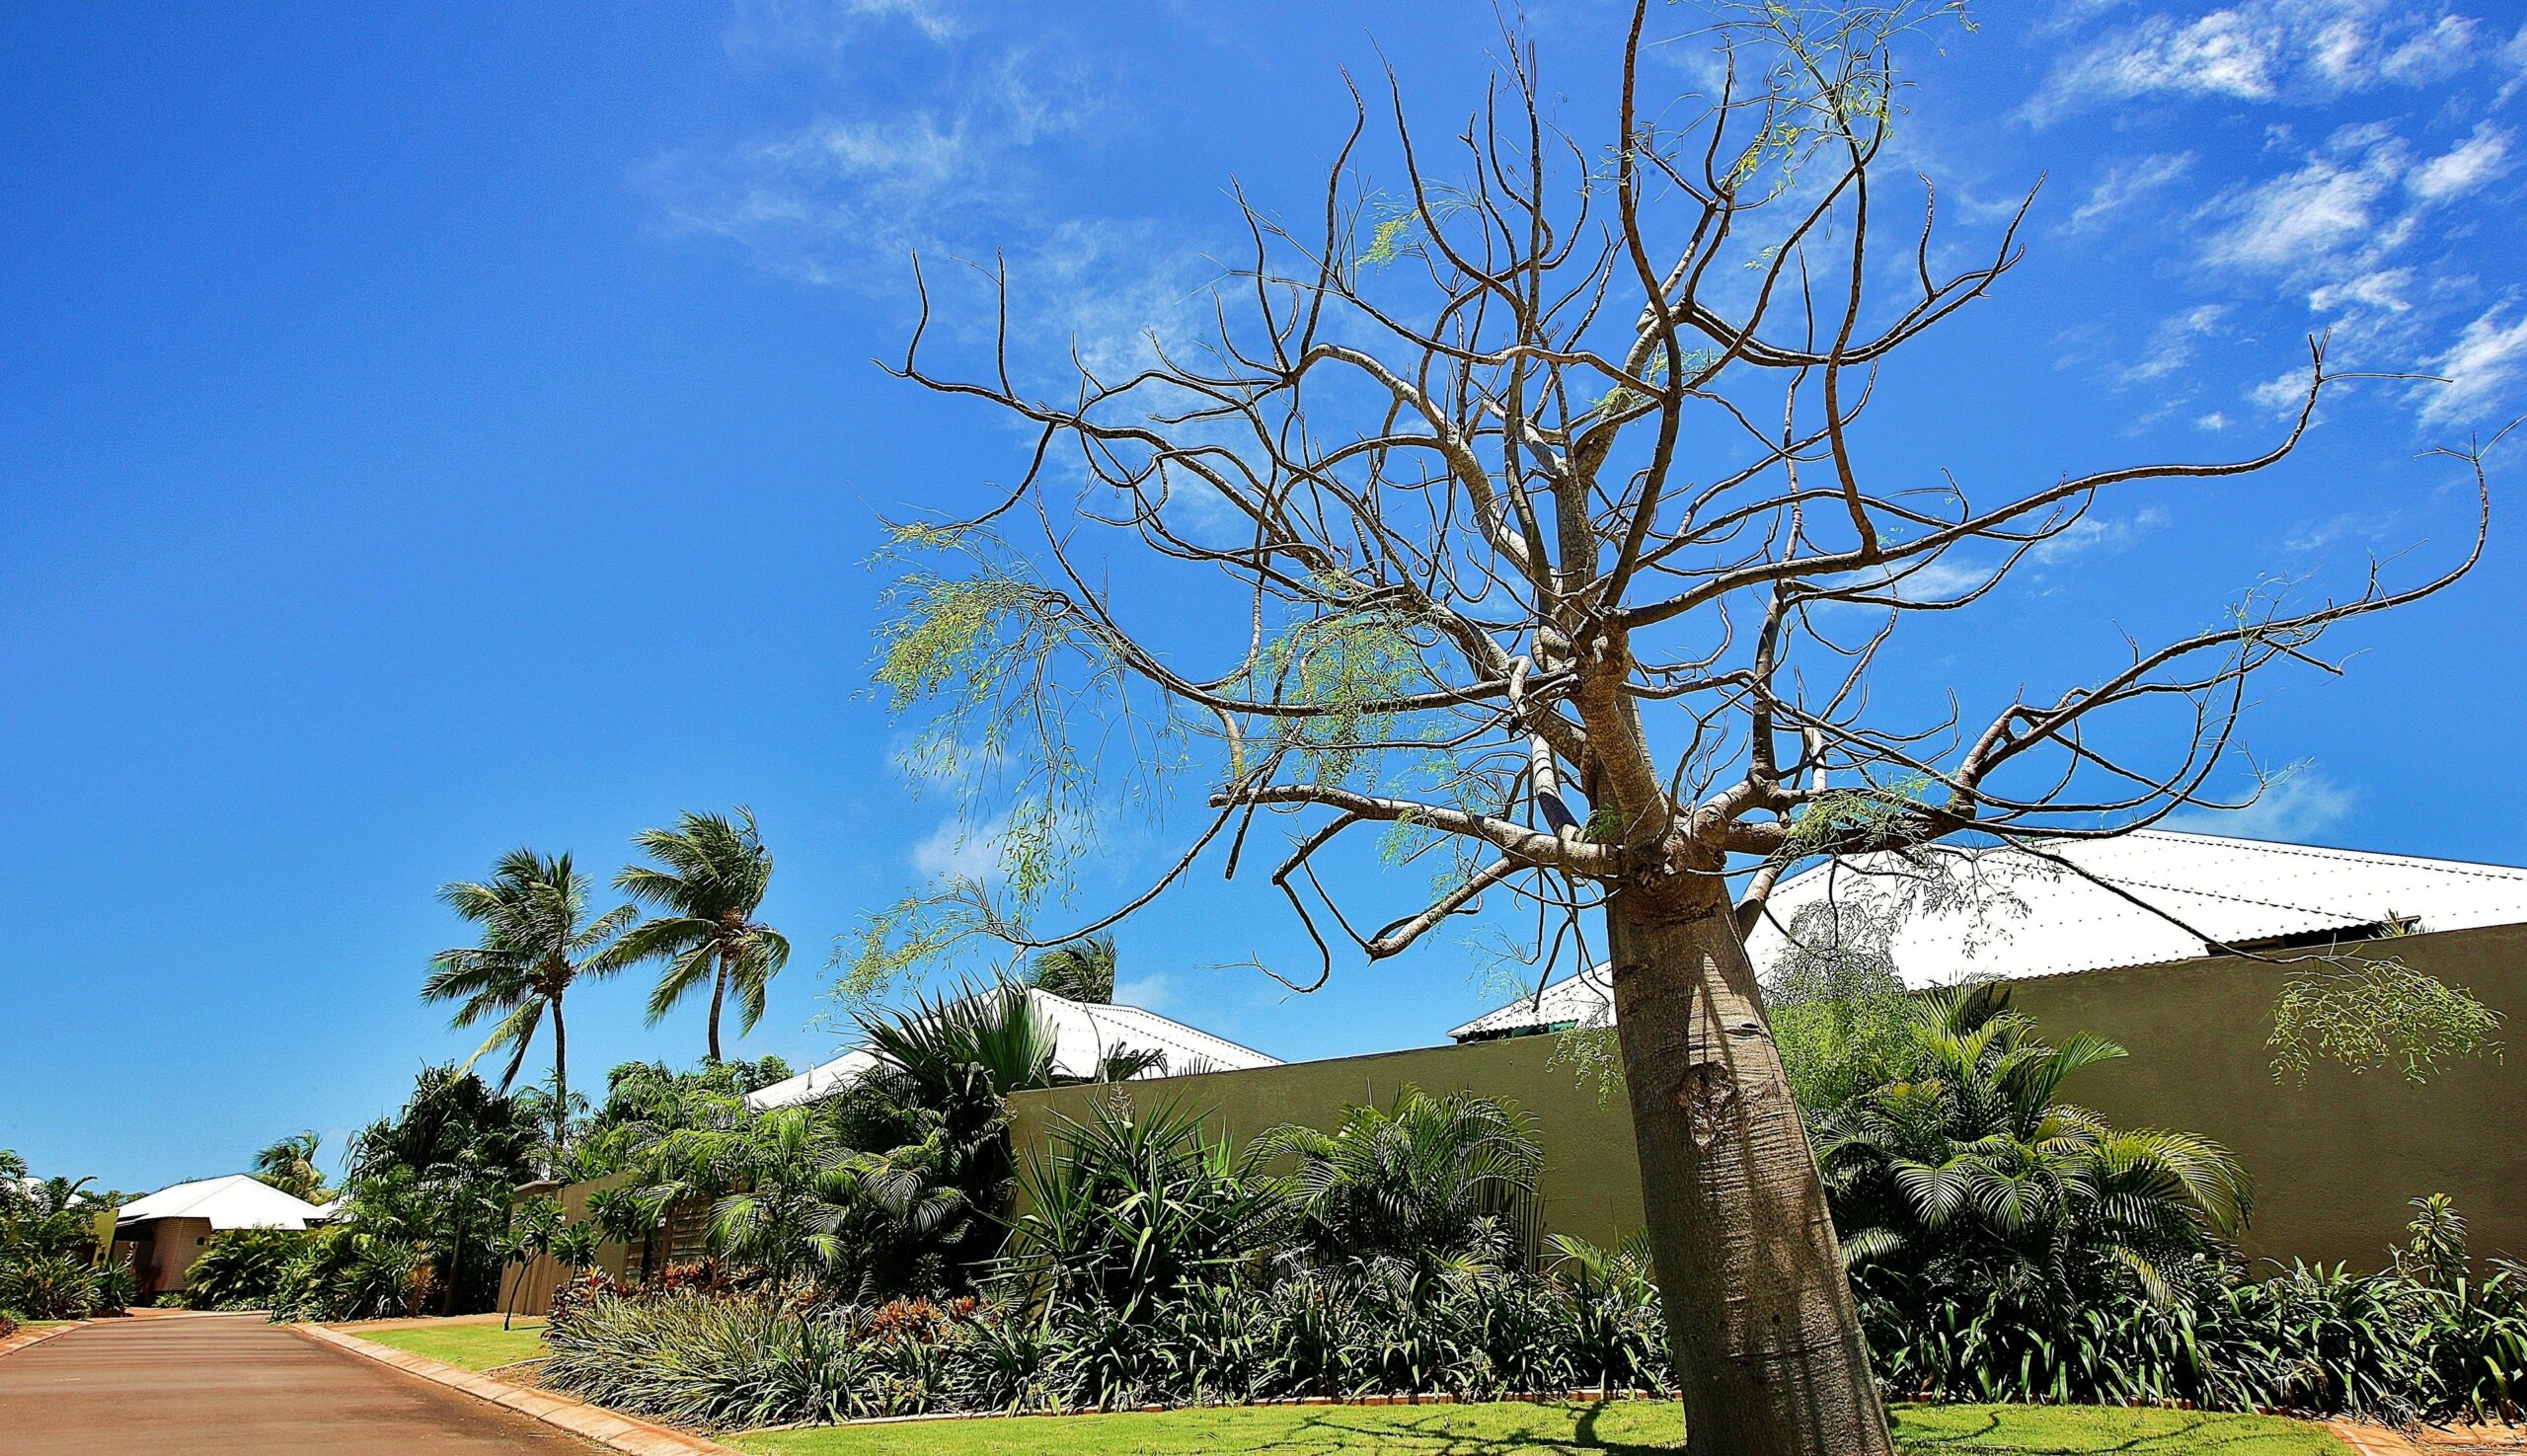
pixel 1759 1313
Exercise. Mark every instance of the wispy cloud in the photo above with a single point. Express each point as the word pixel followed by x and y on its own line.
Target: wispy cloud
pixel 2092 533
pixel 932 139
pixel 2297 804
pixel 2350 525
pixel 2479 159
pixel 2126 184
pixel 959 849
pixel 2259 50
pixel 2172 343
pixel 2480 370
pixel 2319 215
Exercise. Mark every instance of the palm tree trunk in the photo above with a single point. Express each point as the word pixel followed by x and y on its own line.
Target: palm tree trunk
pixel 560 1079
pixel 1760 1317
pixel 718 989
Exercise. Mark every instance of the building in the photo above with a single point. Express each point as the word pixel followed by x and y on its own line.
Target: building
pixel 168 1230
pixel 1084 1034
pixel 2120 941
pixel 2152 897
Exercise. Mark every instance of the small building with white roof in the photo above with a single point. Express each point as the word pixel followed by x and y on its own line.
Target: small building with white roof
pixel 1084 1034
pixel 169 1228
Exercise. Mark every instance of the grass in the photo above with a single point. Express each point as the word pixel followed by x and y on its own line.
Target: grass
pixel 1626 1428
pixel 474 1346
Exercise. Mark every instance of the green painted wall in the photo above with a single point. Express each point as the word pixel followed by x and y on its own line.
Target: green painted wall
pixel 2335 1161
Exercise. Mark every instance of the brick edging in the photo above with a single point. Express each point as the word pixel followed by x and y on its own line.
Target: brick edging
pixel 628 1433
pixel 2366 1439
pixel 24 1338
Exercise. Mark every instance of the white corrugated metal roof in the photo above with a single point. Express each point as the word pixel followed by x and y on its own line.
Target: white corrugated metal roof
pixel 236 1201
pixel 1082 1032
pixel 2020 916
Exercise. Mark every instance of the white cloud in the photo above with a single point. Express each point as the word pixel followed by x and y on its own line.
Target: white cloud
pixel 2477 160
pixel 2282 395
pixel 2382 288
pixel 2215 421
pixel 2321 215
pixel 957 848
pixel 2296 805
pixel 2258 51
pixel 809 27
pixel 2095 533
pixel 2128 182
pixel 2480 370
pixel 2171 345
pixel 2350 525
pixel 1153 992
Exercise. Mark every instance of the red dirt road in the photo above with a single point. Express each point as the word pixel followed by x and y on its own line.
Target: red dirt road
pixel 234 1384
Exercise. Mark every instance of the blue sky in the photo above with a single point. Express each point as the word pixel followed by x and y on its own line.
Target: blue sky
pixel 437 431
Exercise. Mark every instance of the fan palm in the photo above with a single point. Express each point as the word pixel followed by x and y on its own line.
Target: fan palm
pixel 1426 1192
pixel 534 945
pixel 289 1164
pixel 1081 971
pixel 1975 1175
pixel 709 882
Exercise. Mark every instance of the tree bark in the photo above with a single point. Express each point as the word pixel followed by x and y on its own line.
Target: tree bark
pixel 1760 1317
pixel 561 1080
pixel 718 989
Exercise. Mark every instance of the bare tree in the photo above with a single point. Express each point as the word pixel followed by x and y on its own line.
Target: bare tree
pixel 1535 532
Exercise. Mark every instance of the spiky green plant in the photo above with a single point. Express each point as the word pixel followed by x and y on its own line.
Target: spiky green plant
pixel 1428 1192
pixel 1081 971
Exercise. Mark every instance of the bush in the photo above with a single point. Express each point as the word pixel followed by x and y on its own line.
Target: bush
pixel 755 1360
pixel 345 1274
pixel 242 1268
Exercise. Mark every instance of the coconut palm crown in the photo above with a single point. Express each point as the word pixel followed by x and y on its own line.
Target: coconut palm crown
pixel 709 882
pixel 535 943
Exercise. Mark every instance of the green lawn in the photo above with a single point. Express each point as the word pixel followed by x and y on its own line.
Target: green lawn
pixel 1638 1427
pixel 475 1346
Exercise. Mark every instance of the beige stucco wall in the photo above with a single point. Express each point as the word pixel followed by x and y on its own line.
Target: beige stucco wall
pixel 528 1288
pixel 1591 1183
pixel 174 1245
pixel 2335 1161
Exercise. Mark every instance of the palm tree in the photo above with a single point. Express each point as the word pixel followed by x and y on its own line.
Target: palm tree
pixel 1082 970
pixel 710 880
pixel 1426 1194
pixel 533 945
pixel 289 1164
pixel 1974 1176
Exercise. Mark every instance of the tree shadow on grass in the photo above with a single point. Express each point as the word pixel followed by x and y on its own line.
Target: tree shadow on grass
pixel 2190 1433
pixel 1452 1431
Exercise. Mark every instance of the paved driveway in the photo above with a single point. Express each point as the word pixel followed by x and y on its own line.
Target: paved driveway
pixel 233 1383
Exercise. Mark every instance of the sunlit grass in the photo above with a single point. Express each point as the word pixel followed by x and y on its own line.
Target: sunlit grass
pixel 1640 1427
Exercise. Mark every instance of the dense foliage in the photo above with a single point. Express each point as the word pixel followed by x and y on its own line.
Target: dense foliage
pixel 2005 1245
pixel 243 1268
pixel 426 1207
pixel 47 1265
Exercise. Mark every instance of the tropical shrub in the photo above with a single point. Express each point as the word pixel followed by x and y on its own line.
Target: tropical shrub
pixel 1127 1205
pixel 47 1268
pixel 242 1268
pixel 355 1272
pixel 1428 1192
pixel 759 1359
